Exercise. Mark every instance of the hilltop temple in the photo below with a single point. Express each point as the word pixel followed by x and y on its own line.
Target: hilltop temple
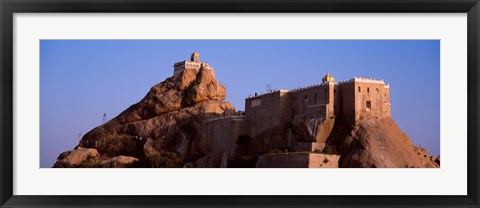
pixel 278 111
pixel 194 63
pixel 185 121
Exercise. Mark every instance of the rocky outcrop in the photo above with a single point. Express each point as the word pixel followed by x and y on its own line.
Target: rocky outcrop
pixel 208 88
pixel 312 129
pixel 166 127
pixel 380 143
pixel 437 160
pixel 119 162
pixel 75 157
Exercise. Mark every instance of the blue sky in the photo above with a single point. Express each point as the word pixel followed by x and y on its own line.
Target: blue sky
pixel 82 79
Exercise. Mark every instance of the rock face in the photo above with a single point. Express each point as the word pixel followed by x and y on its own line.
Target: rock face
pixel 380 143
pixel 165 129
pixel 312 130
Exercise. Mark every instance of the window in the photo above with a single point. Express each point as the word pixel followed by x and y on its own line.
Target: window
pixel 368 89
pixel 369 105
pixel 377 90
pixel 385 94
pixel 359 89
pixel 305 98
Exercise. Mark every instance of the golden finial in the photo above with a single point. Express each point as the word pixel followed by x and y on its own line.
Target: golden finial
pixel 195 57
pixel 328 78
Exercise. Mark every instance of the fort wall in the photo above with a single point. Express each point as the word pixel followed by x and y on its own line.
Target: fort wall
pixel 265 112
pixel 371 100
pixel 223 132
pixel 271 113
pixel 347 99
pixel 312 102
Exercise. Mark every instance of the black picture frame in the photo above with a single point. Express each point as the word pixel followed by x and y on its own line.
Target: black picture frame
pixel 9 7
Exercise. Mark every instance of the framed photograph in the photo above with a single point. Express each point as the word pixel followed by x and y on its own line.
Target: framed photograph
pixel 244 104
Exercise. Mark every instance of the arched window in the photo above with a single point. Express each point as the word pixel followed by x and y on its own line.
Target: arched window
pixel 368 89
pixel 359 89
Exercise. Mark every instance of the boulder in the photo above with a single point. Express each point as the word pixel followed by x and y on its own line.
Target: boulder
pixel 186 78
pixel 206 87
pixel 76 157
pixel 312 129
pixel 119 162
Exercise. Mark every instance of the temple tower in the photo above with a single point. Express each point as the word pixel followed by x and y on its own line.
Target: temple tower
pixel 193 63
pixel 331 92
pixel 195 57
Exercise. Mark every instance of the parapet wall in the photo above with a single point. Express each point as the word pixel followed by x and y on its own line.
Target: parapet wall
pixel 180 66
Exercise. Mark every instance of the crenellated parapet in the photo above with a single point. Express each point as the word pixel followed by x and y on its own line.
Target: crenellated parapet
pixel 368 80
pixel 180 66
pixel 194 63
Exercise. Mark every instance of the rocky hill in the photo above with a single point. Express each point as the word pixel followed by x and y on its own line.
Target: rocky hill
pixel 164 129
pixel 167 129
pixel 380 143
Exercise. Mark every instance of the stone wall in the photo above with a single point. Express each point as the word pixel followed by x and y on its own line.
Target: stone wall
pixel 347 102
pixel 298 160
pixel 223 132
pixel 180 66
pixel 312 102
pixel 275 120
pixel 265 112
pixel 372 100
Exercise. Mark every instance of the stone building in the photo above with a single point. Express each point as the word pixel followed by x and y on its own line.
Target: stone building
pixel 315 106
pixel 356 98
pixel 272 116
pixel 194 63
